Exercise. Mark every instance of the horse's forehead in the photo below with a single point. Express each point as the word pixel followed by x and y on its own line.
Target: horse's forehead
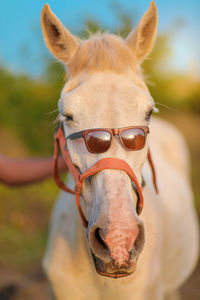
pixel 104 89
pixel 99 95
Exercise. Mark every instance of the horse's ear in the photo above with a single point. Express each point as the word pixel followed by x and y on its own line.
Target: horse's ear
pixel 141 39
pixel 58 39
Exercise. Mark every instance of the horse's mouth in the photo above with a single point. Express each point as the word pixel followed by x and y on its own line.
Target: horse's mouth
pixel 111 270
pixel 117 274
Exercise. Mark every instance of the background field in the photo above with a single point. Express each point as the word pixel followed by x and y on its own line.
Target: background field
pixel 28 108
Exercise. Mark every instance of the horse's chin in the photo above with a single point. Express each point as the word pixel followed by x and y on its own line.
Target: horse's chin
pixel 111 270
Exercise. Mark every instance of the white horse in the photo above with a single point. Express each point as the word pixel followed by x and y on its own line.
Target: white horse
pixel 106 90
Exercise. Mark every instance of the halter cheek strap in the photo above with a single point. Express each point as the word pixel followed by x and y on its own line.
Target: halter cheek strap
pixel 105 163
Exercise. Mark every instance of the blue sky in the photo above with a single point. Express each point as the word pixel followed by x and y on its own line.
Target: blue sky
pixel 21 40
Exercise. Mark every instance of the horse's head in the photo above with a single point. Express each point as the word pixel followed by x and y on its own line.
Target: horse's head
pixel 106 90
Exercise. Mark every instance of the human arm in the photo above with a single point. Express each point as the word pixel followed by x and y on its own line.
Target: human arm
pixel 15 172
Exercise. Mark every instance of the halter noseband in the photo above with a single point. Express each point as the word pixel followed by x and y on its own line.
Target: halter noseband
pixel 102 164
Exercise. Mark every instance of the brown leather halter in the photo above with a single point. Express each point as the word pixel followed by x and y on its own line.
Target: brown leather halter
pixel 102 164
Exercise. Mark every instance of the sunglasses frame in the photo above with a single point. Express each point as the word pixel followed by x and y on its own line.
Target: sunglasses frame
pixel 112 131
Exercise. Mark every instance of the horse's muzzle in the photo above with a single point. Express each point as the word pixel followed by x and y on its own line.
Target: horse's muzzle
pixel 121 260
pixel 113 270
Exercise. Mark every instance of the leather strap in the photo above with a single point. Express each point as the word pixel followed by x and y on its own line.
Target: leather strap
pixel 57 179
pixel 105 163
pixel 149 157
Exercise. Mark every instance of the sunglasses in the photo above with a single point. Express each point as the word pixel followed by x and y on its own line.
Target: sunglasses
pixel 99 140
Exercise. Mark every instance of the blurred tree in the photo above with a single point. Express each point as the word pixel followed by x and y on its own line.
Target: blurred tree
pixel 27 103
pixel 24 106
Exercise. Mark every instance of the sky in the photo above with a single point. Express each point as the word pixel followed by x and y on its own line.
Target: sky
pixel 21 42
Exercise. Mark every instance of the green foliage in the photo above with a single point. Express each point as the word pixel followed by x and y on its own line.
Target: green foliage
pixel 169 88
pixel 24 218
pixel 28 248
pixel 26 107
pixel 26 104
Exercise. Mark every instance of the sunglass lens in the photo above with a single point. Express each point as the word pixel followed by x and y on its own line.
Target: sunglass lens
pixel 133 138
pixel 98 141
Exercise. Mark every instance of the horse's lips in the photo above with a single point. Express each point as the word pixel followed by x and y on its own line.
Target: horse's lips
pixel 113 275
pixel 108 271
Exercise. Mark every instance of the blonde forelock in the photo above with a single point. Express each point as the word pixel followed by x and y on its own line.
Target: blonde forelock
pixel 103 52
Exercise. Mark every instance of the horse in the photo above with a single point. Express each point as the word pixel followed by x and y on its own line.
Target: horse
pixel 121 254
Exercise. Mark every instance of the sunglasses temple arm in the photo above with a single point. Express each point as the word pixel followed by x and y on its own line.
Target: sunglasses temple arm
pixel 75 135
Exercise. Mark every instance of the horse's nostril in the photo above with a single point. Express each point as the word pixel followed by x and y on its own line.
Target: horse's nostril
pixel 120 246
pixel 97 244
pixel 139 242
pixel 99 238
